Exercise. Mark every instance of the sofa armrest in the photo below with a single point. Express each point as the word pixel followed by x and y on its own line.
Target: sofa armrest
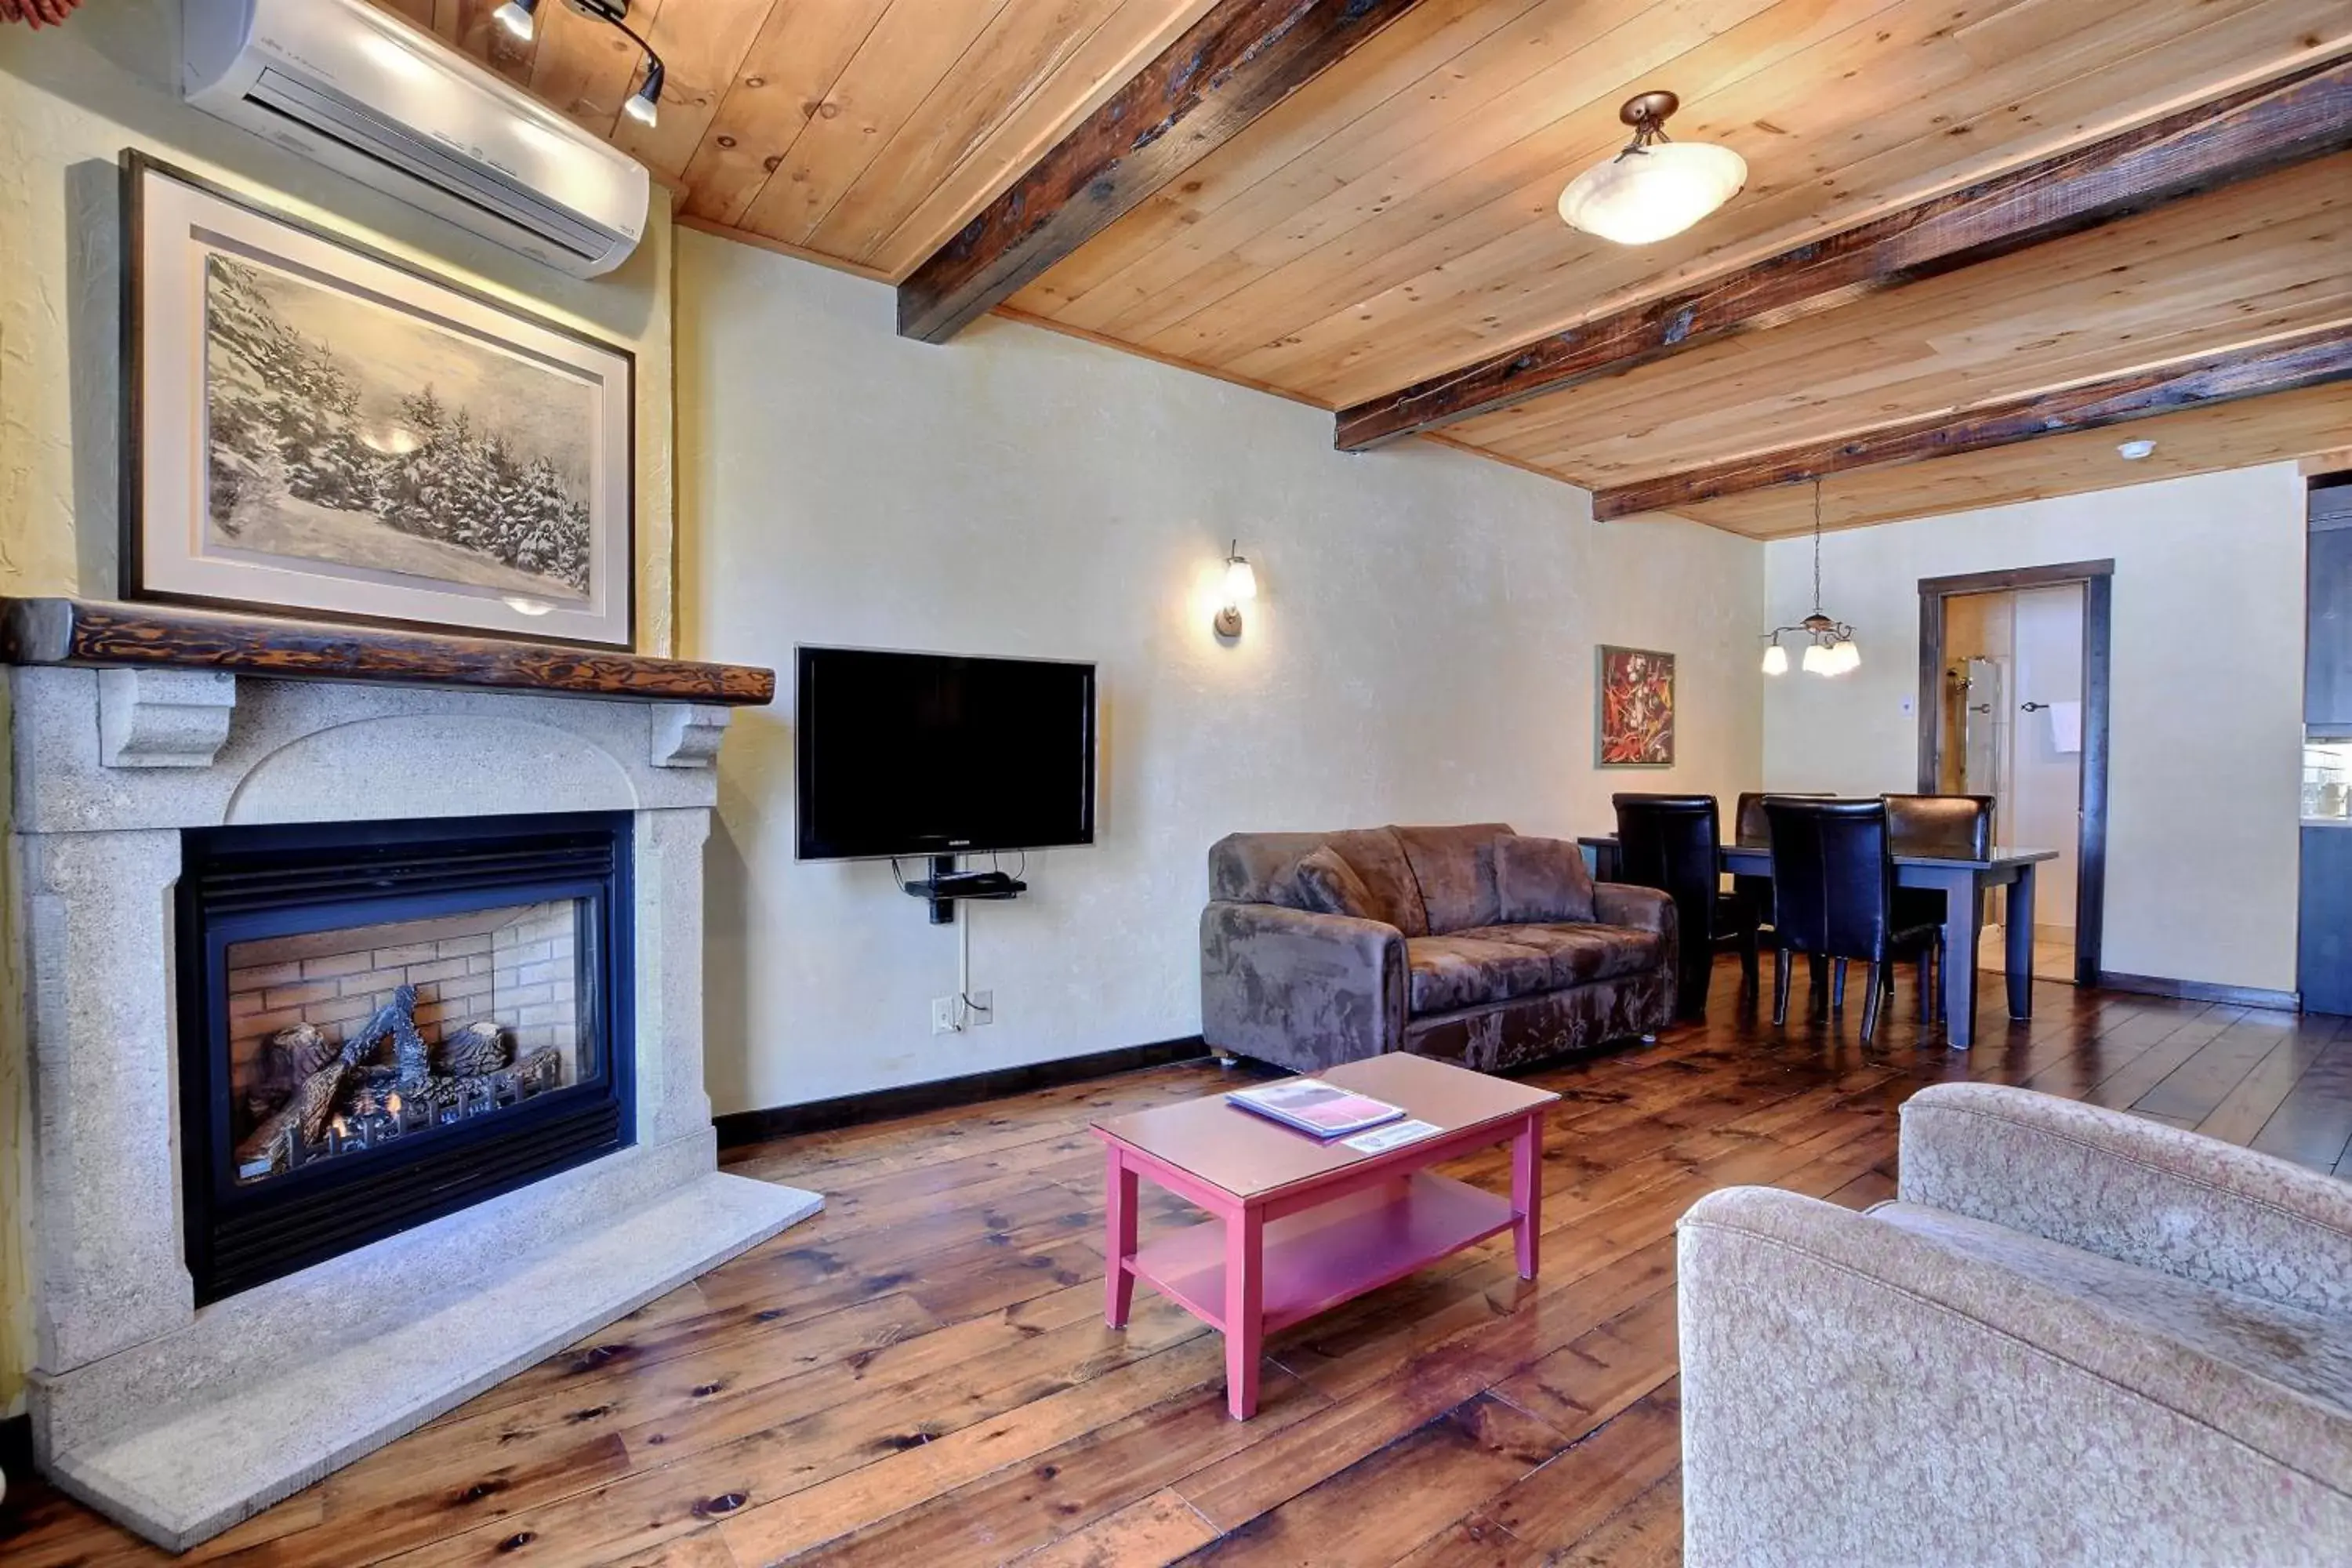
pixel 1644 909
pixel 1306 991
pixel 2131 1189
pixel 1858 1391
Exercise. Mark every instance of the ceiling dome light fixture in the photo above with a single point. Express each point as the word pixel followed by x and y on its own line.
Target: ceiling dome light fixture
pixel 519 18
pixel 1828 643
pixel 1654 188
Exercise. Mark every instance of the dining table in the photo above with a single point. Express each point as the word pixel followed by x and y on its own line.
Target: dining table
pixel 1963 883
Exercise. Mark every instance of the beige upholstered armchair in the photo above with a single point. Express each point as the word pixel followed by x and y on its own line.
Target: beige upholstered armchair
pixel 2075 1337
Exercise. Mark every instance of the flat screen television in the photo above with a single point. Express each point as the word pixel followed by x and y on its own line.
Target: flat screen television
pixel 920 753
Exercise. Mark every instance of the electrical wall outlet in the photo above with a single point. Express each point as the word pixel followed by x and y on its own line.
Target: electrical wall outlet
pixel 943 1016
pixel 983 1011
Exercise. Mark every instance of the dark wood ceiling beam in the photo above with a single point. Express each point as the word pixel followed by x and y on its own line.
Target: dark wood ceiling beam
pixel 1240 59
pixel 2304 114
pixel 2286 364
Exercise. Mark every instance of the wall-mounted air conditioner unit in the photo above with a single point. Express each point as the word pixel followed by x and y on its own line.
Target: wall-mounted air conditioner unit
pixel 343 83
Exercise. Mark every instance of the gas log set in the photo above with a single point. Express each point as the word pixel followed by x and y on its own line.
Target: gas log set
pixel 315 1099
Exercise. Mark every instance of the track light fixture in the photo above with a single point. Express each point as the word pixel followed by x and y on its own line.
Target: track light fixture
pixel 644 104
pixel 519 16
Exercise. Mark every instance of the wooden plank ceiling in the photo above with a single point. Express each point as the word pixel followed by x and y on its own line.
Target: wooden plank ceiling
pixel 860 132
pixel 1392 220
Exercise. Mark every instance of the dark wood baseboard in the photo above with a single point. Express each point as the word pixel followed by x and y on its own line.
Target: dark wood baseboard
pixel 2200 991
pixel 742 1127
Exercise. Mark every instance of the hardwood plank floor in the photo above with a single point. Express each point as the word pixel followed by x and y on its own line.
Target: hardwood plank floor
pixel 921 1375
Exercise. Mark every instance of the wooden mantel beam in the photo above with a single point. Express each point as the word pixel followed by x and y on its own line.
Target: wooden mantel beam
pixel 2304 114
pixel 1240 59
pixel 2283 364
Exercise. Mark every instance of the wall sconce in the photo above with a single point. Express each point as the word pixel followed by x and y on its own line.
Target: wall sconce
pixel 1241 587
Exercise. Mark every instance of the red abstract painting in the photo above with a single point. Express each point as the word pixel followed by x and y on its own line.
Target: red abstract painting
pixel 1636 708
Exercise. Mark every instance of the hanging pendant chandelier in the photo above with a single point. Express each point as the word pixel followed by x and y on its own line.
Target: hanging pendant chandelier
pixel 1655 187
pixel 1828 642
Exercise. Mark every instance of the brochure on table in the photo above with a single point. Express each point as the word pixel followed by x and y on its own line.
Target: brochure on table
pixel 1313 1106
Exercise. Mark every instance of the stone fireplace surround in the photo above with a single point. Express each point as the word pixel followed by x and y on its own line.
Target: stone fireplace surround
pixel 179 1421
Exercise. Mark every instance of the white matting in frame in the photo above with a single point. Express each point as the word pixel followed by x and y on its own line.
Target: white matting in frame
pixel 320 430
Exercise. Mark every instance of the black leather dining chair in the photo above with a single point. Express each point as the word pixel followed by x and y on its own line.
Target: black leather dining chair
pixel 1751 829
pixel 1674 843
pixel 1833 898
pixel 1954 826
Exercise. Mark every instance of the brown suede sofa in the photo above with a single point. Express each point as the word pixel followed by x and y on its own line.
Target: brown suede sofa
pixel 1472 944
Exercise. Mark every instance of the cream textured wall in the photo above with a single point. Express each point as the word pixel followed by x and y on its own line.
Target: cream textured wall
pixel 2207 698
pixel 71 100
pixel 1422 651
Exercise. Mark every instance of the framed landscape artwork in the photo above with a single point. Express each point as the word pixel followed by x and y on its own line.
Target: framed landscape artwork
pixel 1635 708
pixel 317 430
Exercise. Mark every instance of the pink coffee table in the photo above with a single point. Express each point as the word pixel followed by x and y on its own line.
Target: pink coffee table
pixel 1308 1225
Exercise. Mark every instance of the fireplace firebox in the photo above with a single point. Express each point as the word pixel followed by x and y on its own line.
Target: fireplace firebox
pixel 384 1022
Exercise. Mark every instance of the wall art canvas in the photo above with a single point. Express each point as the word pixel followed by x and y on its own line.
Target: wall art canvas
pixel 1636 708
pixel 320 430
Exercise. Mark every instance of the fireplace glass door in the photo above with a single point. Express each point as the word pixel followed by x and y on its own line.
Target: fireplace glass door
pixel 346 1040
pixel 384 1022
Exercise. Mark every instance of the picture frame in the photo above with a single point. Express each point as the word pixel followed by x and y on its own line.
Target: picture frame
pixel 1633 708
pixel 317 429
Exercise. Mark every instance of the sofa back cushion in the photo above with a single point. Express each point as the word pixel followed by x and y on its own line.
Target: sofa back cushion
pixel 1455 870
pixel 1324 884
pixel 1258 867
pixel 1541 880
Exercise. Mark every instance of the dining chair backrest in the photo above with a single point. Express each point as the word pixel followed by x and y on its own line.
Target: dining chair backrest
pixel 1751 829
pixel 1947 827
pixel 1832 876
pixel 1670 842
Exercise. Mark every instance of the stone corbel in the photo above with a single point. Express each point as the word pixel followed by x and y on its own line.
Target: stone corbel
pixel 686 734
pixel 163 718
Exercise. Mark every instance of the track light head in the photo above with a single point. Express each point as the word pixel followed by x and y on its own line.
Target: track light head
pixel 644 104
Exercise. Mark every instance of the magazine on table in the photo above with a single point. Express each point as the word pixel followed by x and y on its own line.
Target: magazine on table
pixel 1312 1106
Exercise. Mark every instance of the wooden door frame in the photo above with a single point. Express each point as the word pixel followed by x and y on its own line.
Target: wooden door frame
pixel 2097 579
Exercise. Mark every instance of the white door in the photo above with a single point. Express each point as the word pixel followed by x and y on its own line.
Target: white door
pixel 2043 805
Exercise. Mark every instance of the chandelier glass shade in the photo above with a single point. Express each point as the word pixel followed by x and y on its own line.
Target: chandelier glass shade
pixel 1654 188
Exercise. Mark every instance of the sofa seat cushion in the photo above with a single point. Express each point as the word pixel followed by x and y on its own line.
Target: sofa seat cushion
pixel 1443 973
pixel 1581 953
pixel 2307 1355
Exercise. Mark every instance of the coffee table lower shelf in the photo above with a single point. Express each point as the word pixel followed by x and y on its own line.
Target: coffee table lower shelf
pixel 1317 1258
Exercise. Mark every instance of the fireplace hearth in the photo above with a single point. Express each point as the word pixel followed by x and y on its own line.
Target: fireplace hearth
pixel 384 1022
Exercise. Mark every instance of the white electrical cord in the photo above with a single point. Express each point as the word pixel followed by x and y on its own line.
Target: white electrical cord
pixel 963 968
pixel 964 1005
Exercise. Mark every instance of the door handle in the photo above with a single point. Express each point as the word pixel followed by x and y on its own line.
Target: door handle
pixel 2035 707
pixel 1981 707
